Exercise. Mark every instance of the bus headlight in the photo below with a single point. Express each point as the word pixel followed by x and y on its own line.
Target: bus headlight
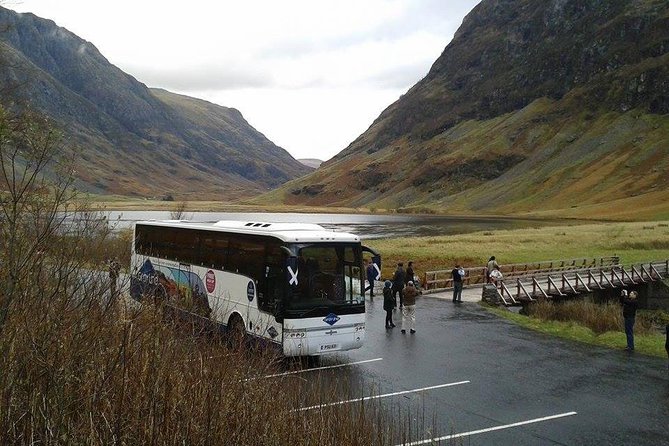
pixel 359 327
pixel 296 334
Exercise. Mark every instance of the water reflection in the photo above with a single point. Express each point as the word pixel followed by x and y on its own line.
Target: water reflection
pixel 367 226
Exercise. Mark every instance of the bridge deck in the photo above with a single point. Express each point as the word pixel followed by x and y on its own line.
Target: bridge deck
pixel 525 285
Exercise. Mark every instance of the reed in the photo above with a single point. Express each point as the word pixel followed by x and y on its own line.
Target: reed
pixel 600 318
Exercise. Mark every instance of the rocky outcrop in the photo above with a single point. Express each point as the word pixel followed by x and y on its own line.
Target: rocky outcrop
pixel 531 104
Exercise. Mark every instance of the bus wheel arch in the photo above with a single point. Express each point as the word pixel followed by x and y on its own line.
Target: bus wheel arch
pixel 236 329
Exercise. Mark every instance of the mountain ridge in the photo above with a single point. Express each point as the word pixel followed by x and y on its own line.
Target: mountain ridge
pixel 524 84
pixel 134 140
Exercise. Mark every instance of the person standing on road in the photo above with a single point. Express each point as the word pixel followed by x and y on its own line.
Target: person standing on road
pixel 630 305
pixel 492 263
pixel 388 303
pixel 398 283
pixel 371 277
pixel 458 274
pixel 409 274
pixel 409 308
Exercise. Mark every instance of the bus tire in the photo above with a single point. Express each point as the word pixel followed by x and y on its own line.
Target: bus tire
pixel 236 330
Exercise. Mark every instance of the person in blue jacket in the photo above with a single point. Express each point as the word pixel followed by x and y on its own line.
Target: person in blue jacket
pixel 371 277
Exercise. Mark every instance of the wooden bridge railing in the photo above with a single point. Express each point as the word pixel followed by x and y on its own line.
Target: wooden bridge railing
pixel 559 284
pixel 440 280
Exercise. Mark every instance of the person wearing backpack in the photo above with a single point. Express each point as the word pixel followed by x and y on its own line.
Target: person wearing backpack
pixel 398 283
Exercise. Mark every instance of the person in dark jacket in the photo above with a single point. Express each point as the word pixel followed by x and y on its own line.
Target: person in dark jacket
pixel 630 305
pixel 409 274
pixel 398 283
pixel 388 303
pixel 371 277
pixel 458 274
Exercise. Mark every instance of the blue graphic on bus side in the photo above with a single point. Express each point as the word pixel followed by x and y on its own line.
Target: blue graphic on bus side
pixel 331 319
pixel 250 291
pixel 176 286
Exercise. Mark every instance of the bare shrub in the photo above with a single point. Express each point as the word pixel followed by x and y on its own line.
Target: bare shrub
pixel 179 211
pixel 80 368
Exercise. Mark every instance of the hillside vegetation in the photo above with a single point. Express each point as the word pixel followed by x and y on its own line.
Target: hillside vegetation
pixel 545 107
pixel 129 139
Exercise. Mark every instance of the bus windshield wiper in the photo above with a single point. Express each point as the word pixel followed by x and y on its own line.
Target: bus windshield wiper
pixel 311 310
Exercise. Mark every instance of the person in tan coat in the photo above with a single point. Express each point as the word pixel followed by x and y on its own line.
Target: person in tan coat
pixel 409 309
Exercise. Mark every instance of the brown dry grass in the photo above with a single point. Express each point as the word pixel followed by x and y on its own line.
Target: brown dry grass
pixel 80 369
pixel 600 318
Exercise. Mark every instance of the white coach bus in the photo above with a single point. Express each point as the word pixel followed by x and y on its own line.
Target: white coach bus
pixel 296 285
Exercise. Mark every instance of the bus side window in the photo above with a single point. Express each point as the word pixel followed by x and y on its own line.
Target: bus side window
pixel 272 281
pixel 214 250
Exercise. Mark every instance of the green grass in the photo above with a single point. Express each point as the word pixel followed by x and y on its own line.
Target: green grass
pixel 646 344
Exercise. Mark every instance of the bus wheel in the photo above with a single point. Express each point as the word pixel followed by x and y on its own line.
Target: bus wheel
pixel 236 330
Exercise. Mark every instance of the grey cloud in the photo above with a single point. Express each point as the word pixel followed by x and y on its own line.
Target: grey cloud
pixel 397 77
pixel 202 78
pixel 424 15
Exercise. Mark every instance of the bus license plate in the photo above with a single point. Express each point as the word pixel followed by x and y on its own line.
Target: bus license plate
pixel 325 347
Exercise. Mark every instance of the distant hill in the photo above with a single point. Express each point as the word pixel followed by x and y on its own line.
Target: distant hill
pixel 535 106
pixel 311 162
pixel 134 140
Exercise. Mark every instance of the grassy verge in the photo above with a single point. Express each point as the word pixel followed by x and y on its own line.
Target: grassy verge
pixel 651 343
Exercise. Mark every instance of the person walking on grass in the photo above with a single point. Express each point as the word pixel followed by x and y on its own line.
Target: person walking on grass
pixel 398 283
pixel 458 274
pixel 409 309
pixel 630 305
pixel 388 303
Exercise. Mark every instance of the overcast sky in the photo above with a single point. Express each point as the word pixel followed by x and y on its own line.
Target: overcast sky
pixel 311 75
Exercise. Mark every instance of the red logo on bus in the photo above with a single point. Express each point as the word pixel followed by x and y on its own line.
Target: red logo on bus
pixel 210 281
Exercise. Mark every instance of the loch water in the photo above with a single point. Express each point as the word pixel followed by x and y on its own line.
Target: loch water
pixel 368 226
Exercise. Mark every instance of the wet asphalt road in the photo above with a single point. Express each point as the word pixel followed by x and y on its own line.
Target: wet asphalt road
pixel 514 376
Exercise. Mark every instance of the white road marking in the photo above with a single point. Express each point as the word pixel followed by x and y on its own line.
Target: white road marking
pixel 403 392
pixel 317 368
pixel 489 429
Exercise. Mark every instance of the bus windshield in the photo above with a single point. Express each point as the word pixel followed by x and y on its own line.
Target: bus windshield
pixel 327 275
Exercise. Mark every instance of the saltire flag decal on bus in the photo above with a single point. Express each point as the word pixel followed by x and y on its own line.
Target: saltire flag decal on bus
pixel 291 270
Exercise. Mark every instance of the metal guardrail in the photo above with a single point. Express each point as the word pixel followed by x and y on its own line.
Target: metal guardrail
pixel 434 281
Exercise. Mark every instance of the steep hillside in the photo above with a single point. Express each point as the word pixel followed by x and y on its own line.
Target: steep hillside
pixel 133 140
pixel 535 105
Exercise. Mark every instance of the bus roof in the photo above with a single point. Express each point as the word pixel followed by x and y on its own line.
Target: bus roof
pixel 287 232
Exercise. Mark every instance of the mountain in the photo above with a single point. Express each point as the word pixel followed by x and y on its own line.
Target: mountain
pixel 133 140
pixel 534 106
pixel 311 162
